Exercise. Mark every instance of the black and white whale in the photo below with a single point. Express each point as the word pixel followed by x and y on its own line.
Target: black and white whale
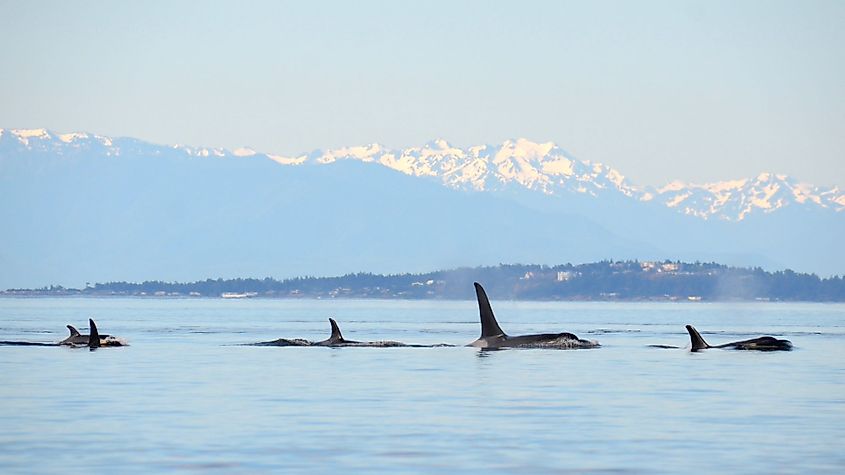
pixel 336 340
pixel 79 339
pixel 76 339
pixel 493 337
pixel 763 343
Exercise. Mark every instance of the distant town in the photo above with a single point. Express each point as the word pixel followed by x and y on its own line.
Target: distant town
pixel 599 281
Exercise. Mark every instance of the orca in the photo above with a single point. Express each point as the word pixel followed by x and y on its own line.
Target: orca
pixel 763 343
pixel 92 340
pixel 493 337
pixel 336 340
pixel 76 339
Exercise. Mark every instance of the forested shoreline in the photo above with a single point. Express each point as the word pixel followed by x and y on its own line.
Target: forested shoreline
pixel 600 281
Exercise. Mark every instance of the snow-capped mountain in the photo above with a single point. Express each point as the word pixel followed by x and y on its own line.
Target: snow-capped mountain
pixel 734 200
pixel 513 165
pixel 546 168
pixel 541 167
pixel 83 207
pixel 42 140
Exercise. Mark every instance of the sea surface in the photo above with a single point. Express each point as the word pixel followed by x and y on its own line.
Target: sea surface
pixel 188 397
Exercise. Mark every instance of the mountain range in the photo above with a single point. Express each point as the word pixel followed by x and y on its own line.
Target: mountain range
pixel 84 207
pixel 546 168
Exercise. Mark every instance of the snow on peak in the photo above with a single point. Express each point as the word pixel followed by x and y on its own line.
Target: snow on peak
pixel 544 167
pixel 672 186
pixel 31 133
pixel 725 186
pixel 734 200
pixel 68 138
pixel 243 152
pixel 364 153
pixel 24 135
pixel 518 163
pixel 44 140
pixel 438 144
pixel 525 148
pixel 558 166
pixel 204 152
pixel 288 160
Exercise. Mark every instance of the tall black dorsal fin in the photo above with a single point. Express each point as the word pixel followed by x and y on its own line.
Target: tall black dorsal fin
pixel 697 340
pixel 489 325
pixel 73 330
pixel 336 336
pixel 94 337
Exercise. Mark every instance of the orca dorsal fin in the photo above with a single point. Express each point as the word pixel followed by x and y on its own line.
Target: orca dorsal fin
pixel 489 325
pixel 336 336
pixel 94 337
pixel 73 330
pixel 697 340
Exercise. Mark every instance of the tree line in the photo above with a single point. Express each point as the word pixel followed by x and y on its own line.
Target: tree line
pixel 605 280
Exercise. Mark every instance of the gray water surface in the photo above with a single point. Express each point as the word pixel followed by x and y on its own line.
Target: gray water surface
pixel 185 397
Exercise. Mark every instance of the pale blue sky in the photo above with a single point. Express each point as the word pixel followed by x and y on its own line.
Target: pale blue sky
pixel 698 91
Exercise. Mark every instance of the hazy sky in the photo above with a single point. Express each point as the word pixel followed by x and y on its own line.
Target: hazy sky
pixel 699 91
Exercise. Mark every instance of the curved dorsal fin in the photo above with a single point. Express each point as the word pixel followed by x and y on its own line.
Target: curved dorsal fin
pixel 697 340
pixel 489 325
pixel 73 330
pixel 94 337
pixel 336 336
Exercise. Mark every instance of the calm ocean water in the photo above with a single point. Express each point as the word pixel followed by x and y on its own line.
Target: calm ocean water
pixel 185 398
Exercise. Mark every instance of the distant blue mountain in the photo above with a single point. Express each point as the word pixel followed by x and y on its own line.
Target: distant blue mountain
pixel 83 208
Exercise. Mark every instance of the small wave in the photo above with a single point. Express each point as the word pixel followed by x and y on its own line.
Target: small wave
pixel 18 330
pixel 753 334
pixel 604 331
pixel 26 343
pixel 436 331
pixel 206 466
pixel 191 330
